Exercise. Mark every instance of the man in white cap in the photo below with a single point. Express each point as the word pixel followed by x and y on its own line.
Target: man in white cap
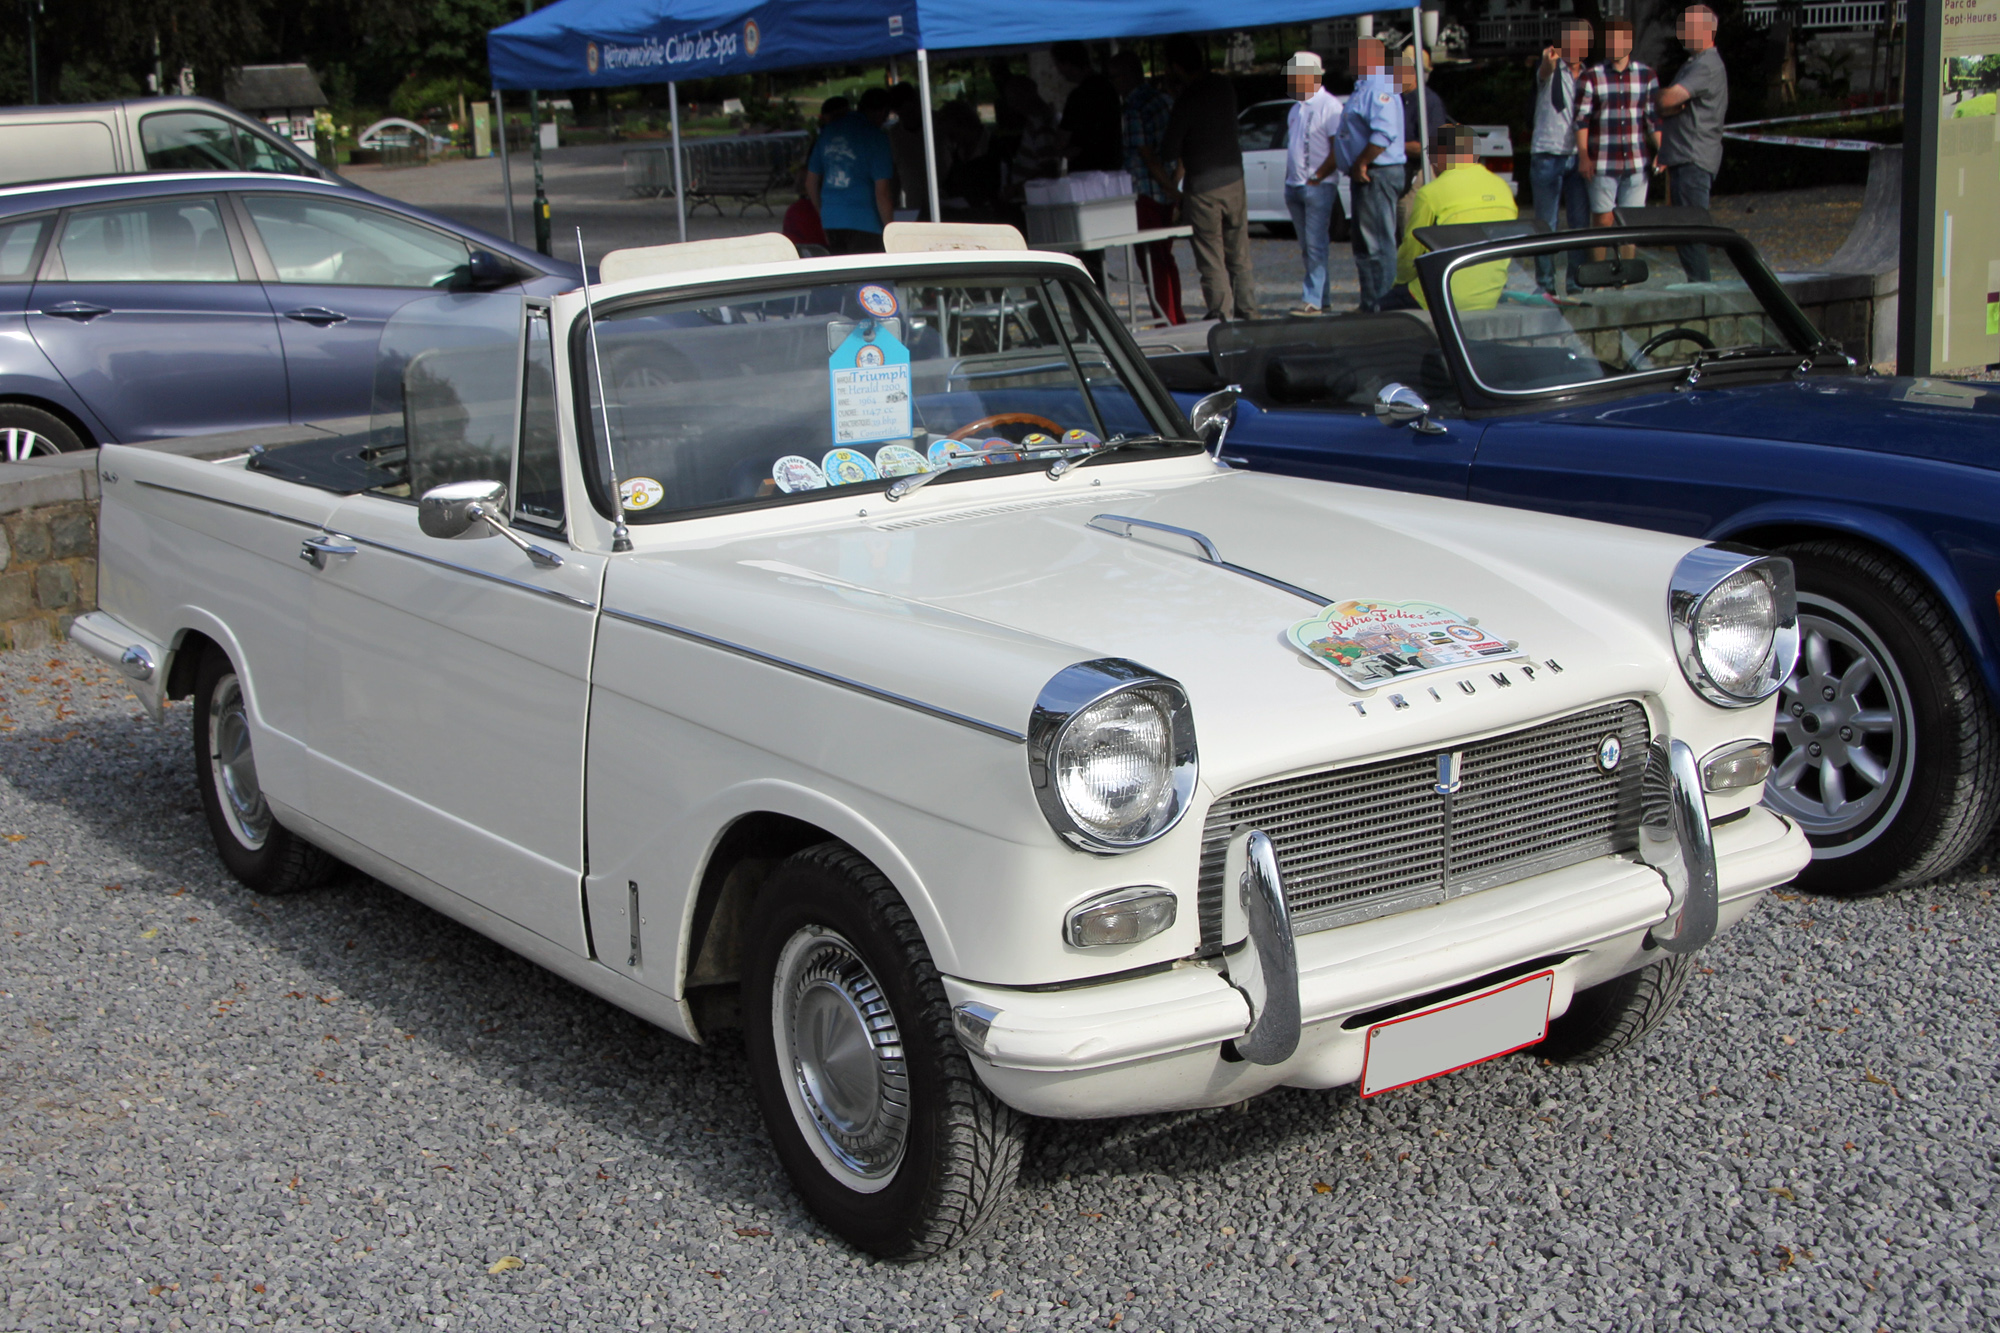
pixel 1309 196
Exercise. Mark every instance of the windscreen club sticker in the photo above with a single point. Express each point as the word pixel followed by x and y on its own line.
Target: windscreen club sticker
pixel 639 492
pixel 794 474
pixel 1368 643
pixel 844 467
pixel 877 300
pixel 899 460
pixel 944 452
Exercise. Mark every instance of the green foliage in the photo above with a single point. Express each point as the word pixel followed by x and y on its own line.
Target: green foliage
pixel 419 96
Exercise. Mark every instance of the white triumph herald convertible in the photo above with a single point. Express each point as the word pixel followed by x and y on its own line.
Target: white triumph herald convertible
pixel 939 707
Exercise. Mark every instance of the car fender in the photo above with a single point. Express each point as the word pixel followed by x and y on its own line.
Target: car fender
pixel 840 819
pixel 32 379
pixel 1910 544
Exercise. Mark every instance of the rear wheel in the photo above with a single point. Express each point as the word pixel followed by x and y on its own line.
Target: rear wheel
pixel 871 1103
pixel 1887 749
pixel 29 432
pixel 258 850
pixel 1604 1019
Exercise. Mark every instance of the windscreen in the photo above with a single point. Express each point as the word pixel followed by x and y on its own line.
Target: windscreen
pixel 784 394
pixel 1582 315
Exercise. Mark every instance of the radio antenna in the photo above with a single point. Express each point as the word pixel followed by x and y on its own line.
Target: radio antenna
pixel 621 538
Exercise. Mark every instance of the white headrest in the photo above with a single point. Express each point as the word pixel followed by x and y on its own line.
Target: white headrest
pixel 909 238
pixel 768 247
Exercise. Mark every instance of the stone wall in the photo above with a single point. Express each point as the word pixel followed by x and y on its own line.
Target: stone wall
pixel 48 547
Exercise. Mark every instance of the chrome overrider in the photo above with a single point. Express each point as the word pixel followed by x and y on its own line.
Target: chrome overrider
pixel 1265 966
pixel 1674 840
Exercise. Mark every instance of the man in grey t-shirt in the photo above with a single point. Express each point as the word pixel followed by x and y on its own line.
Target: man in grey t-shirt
pixel 1693 108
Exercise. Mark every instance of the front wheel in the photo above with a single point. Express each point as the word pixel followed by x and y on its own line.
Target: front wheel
pixel 1887 752
pixel 1604 1019
pixel 258 850
pixel 871 1103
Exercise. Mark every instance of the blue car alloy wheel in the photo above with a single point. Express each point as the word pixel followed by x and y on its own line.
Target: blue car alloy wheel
pixel 1887 748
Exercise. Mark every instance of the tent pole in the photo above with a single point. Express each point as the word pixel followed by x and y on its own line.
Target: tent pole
pixel 680 190
pixel 1423 98
pixel 930 131
pixel 506 173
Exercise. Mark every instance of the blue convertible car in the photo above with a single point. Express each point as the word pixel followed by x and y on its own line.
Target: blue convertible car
pixel 1676 386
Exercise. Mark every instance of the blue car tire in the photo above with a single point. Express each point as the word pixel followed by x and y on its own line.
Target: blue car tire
pixel 1887 748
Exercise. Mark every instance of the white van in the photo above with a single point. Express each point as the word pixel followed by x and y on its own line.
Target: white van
pixel 70 142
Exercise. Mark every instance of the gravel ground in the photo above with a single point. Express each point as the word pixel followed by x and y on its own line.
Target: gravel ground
pixel 346 1111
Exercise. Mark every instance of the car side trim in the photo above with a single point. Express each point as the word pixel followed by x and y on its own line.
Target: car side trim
pixel 501 579
pixel 227 504
pixel 828 677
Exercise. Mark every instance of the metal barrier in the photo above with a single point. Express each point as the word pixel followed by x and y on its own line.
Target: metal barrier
pixel 649 169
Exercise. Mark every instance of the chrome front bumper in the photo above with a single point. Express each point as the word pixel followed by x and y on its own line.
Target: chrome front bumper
pixel 1193 1035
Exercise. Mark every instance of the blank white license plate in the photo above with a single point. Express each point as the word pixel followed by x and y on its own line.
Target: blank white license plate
pixel 1452 1036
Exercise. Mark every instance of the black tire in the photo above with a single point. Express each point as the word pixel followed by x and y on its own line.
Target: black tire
pixel 1937 756
pixel 258 850
pixel 957 1149
pixel 27 432
pixel 1606 1018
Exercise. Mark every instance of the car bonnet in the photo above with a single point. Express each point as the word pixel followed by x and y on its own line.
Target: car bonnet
pixel 972 610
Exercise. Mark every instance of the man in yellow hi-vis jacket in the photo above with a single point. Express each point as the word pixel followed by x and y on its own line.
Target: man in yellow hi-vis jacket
pixel 1464 191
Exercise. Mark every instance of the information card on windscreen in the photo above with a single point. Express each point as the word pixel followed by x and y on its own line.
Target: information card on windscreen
pixel 871 386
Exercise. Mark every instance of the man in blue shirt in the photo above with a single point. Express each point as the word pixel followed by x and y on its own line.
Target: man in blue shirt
pixel 1309 196
pixel 850 177
pixel 1369 147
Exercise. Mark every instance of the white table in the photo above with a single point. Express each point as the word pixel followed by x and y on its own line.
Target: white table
pixel 1135 274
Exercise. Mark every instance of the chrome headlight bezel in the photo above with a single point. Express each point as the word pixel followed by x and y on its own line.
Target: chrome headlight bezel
pixel 1700 573
pixel 1073 690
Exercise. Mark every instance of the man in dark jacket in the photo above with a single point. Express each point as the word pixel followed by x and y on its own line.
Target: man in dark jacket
pixel 1201 137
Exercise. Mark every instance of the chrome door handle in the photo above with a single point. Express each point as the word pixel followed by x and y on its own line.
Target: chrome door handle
pixel 315 551
pixel 317 315
pixel 81 311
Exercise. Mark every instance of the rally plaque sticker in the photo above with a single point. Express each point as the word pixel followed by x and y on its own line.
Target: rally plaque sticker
pixel 640 493
pixel 1370 643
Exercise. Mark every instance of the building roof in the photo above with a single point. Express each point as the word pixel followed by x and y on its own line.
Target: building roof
pixel 272 88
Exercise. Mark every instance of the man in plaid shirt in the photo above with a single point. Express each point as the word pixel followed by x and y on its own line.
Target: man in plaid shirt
pixel 1617 122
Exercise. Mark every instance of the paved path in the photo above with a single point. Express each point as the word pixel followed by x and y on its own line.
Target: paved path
pixel 342 1111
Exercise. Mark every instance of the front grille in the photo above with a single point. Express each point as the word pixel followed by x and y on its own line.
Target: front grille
pixel 1355 843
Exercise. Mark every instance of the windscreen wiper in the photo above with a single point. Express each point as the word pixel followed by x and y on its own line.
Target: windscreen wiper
pixel 1071 462
pixel 904 485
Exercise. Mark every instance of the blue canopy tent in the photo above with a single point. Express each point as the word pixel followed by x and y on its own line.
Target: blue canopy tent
pixel 617 43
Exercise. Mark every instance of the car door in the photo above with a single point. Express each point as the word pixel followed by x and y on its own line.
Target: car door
pixel 1586 463
pixel 150 311
pixel 450 677
pixel 1260 132
pixel 336 271
pixel 1310 389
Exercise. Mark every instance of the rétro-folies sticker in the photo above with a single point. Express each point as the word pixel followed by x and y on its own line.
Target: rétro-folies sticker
pixel 1368 643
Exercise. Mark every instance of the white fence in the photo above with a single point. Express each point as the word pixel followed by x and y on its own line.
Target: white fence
pixel 1823 16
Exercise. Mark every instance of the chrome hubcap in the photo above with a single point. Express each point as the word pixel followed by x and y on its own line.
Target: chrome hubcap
pixel 1844 750
pixel 849 1085
pixel 18 442
pixel 233 767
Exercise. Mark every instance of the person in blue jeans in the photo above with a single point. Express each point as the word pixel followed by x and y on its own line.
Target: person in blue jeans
pixel 1552 173
pixel 1369 147
pixel 1694 106
pixel 851 175
pixel 1309 195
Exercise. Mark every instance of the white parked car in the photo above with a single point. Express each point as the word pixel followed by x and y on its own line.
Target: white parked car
pixel 937 707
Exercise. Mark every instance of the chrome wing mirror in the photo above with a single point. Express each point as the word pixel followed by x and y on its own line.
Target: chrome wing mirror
pixel 1212 416
pixel 1400 405
pixel 462 510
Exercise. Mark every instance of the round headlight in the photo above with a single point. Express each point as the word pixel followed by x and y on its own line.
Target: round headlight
pixel 1114 766
pixel 1735 624
pixel 1111 753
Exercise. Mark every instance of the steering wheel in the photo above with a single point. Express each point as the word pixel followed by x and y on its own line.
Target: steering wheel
pixel 1694 336
pixel 1008 419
